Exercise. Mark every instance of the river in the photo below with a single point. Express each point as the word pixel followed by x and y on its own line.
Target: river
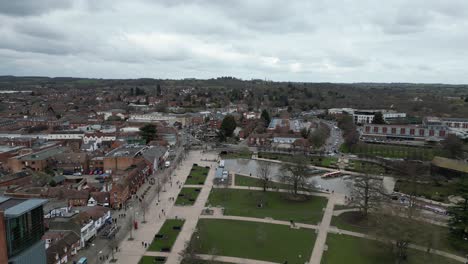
pixel 249 167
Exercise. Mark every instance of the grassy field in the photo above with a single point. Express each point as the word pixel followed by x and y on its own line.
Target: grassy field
pixel 201 261
pixel 392 151
pixel 152 260
pixel 269 242
pixel 254 182
pixel 237 155
pixel 197 175
pixel 324 161
pixel 169 235
pixel 275 205
pixel 187 196
pixel 354 250
pixel 435 191
pixel 439 235
pixel 363 166
pixel 275 156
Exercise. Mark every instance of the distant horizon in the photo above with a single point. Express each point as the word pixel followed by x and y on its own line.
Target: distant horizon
pixel 218 77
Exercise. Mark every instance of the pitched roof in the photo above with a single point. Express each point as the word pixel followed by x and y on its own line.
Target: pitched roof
pixel 101 197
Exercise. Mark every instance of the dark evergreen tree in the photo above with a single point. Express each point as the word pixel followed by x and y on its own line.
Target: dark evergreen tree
pixel 158 90
pixel 148 132
pixel 228 125
pixel 265 116
pixel 378 118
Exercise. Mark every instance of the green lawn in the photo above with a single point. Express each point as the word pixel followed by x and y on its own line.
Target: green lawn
pixel 187 196
pixel 275 156
pixel 324 161
pixel 438 235
pixel 197 175
pixel 269 242
pixel 152 260
pixel 201 261
pixel 237 155
pixel 354 250
pixel 242 180
pixel 169 235
pixel 275 205
pixel 392 151
pixel 437 191
pixel 255 182
pixel 364 166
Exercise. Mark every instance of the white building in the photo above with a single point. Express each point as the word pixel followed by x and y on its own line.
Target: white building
pixel 367 116
pixel 157 117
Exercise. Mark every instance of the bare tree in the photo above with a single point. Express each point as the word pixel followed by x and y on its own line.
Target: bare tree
pixel 189 253
pixel 130 225
pixel 366 193
pixel 144 208
pixel 395 223
pixel 113 244
pixel 295 173
pixel 263 172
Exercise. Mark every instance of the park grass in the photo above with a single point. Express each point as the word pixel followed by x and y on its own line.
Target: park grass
pixel 152 260
pixel 187 196
pixel 437 191
pixel 355 250
pixel 237 155
pixel 170 235
pixel 329 162
pixel 439 235
pixel 201 261
pixel 276 156
pixel 253 240
pixel 365 166
pixel 242 180
pixel 197 175
pixel 276 205
pixel 391 151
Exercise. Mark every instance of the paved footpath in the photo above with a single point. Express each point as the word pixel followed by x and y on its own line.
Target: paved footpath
pixel 321 240
pixel 131 251
pixel 259 220
pixel 192 213
pixel 233 259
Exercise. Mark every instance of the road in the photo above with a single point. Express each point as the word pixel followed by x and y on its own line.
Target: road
pixel 335 139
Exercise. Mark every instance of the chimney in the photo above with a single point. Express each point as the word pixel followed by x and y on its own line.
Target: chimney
pixel 3 242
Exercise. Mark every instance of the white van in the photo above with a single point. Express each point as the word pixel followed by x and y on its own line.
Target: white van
pixel 221 163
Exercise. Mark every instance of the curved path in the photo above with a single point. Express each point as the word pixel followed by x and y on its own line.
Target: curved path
pixel 259 220
pixel 233 259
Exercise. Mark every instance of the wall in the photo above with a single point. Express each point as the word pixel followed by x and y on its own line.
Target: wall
pixel 3 244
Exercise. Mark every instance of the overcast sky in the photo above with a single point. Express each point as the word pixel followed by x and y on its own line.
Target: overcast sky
pixel 308 40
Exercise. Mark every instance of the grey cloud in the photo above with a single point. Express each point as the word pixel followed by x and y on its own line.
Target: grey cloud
pixel 298 40
pixel 39 30
pixel 32 7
